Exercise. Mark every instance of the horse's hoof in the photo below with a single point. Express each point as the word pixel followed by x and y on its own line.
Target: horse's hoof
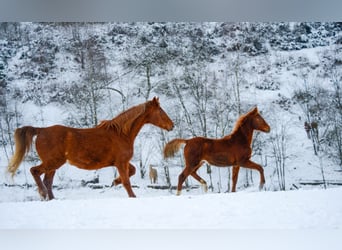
pixel 42 198
pixel 205 188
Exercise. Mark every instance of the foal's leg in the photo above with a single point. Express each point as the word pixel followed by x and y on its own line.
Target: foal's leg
pixel 48 180
pixel 132 171
pixel 36 172
pixel 252 165
pixel 198 178
pixel 190 171
pixel 181 178
pixel 192 164
pixel 235 176
pixel 124 176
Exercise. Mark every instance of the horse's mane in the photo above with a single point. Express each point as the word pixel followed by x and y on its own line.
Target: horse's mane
pixel 124 121
pixel 241 121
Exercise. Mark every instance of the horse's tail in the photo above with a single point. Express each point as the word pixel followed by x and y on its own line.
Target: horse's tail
pixel 172 147
pixel 23 140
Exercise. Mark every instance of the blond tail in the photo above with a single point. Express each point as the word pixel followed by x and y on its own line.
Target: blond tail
pixel 23 140
pixel 172 147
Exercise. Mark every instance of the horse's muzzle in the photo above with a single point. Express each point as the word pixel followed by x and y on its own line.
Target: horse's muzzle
pixel 171 127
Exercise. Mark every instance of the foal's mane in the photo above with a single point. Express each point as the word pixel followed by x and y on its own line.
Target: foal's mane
pixel 124 121
pixel 242 119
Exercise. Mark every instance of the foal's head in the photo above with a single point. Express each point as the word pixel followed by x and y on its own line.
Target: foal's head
pixel 157 116
pixel 258 122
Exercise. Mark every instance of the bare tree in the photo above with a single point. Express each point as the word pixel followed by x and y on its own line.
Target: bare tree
pixel 9 113
pixel 313 100
pixel 305 97
pixel 279 142
pixel 334 135
pixel 85 98
pixel 147 55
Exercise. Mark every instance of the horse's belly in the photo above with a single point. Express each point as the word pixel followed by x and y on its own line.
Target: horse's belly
pixel 220 160
pixel 88 165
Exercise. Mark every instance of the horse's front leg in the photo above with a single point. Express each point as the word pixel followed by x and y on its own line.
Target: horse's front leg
pixel 118 181
pixel 252 165
pixel 235 176
pixel 124 170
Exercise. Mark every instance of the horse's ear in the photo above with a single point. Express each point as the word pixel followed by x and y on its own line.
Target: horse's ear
pixel 155 101
pixel 254 110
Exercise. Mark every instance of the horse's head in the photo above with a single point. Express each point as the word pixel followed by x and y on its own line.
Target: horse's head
pixel 157 116
pixel 258 121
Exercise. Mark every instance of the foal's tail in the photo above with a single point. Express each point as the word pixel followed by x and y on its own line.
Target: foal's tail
pixel 172 147
pixel 23 140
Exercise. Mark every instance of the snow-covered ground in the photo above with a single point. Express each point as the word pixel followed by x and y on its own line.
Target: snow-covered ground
pixel 249 219
pixel 111 209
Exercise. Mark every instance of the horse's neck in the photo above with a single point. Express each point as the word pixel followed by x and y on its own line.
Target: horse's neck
pixel 246 132
pixel 136 126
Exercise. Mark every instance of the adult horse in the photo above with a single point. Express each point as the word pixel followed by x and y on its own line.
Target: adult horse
pixel 108 144
pixel 231 150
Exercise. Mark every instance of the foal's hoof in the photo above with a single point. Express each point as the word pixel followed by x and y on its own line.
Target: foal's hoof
pixel 261 187
pixel 43 195
pixel 205 188
pixel 44 198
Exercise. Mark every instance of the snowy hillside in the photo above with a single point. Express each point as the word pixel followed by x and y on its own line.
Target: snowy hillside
pixel 206 75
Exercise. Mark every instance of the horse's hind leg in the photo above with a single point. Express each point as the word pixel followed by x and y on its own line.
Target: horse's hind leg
pixel 189 171
pixel 191 166
pixel 198 178
pixel 132 171
pixel 181 178
pixel 48 181
pixel 36 172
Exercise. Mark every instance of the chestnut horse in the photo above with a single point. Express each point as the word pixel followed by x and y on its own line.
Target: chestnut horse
pixel 108 144
pixel 231 150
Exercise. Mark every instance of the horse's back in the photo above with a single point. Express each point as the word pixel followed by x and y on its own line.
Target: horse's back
pixel 204 142
pixel 82 147
pixel 196 147
pixel 53 134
